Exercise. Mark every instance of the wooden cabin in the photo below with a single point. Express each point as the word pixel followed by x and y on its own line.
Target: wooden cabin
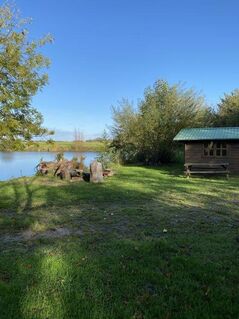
pixel 211 146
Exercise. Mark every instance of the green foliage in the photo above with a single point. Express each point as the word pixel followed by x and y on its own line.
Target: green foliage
pixel 125 131
pixel 50 141
pixel 59 157
pixel 228 109
pixel 146 134
pixel 108 156
pixel 21 77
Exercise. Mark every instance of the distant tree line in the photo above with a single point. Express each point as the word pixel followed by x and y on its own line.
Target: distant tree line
pixel 145 134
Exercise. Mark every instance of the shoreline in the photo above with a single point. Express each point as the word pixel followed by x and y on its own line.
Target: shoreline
pixel 65 146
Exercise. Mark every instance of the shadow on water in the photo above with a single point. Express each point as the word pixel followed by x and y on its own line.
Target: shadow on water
pixel 6 156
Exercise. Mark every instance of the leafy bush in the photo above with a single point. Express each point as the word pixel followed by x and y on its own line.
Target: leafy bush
pixel 145 134
pixel 59 156
pixel 228 110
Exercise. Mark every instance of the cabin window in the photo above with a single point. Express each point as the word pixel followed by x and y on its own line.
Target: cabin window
pixel 221 149
pixel 215 149
pixel 209 149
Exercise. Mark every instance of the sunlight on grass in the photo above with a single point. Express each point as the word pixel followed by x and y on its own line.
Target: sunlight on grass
pixel 44 298
pixel 38 226
pixel 145 242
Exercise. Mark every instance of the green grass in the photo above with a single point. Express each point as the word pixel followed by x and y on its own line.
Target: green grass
pixel 77 250
pixel 64 146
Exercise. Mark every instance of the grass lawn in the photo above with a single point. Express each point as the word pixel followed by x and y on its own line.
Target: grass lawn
pixel 77 250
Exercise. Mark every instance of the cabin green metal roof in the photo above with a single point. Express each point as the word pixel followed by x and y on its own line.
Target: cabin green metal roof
pixel 208 133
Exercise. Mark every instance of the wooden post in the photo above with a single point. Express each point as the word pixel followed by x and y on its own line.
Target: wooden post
pixel 187 171
pixel 96 172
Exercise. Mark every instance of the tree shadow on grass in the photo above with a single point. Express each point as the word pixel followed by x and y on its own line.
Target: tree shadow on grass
pixel 133 187
pixel 121 264
pixel 102 276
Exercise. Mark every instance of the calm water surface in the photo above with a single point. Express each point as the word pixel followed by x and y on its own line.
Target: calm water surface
pixel 17 164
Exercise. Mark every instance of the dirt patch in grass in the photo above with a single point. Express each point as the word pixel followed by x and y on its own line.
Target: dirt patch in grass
pixel 129 224
pixel 30 235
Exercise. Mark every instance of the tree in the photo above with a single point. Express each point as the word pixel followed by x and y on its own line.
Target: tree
pixel 21 77
pixel 78 139
pixel 164 111
pixel 125 131
pixel 146 135
pixel 228 109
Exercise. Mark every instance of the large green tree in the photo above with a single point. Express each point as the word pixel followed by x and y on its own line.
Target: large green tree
pixel 125 131
pixel 228 109
pixel 146 134
pixel 21 76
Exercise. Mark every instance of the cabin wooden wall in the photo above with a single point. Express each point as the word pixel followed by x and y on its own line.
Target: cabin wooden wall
pixel 194 153
pixel 234 158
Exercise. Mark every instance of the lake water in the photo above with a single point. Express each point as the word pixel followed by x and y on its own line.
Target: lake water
pixel 17 164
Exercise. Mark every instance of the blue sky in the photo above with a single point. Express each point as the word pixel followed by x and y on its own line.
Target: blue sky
pixel 108 49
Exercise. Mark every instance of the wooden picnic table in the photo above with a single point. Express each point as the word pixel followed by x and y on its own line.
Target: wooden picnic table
pixel 206 168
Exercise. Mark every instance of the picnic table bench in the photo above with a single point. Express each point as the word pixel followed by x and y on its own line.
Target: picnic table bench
pixel 206 168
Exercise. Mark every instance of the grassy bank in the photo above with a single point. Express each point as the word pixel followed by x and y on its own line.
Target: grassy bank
pixel 147 243
pixel 64 146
